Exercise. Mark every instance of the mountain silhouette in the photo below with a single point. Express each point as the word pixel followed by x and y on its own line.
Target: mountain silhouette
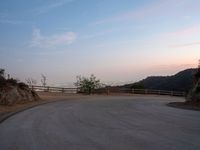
pixel 182 81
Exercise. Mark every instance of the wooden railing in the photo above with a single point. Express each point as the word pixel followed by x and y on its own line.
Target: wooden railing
pixel 158 92
pixel 139 91
pixel 54 89
pixel 108 91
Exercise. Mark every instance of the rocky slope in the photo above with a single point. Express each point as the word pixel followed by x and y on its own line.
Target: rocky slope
pixel 12 92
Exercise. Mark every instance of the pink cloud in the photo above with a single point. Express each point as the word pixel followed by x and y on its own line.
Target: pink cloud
pixel 157 8
pixel 135 14
pixel 194 30
pixel 169 69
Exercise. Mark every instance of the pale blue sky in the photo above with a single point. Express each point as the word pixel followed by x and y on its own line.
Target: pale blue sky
pixel 117 40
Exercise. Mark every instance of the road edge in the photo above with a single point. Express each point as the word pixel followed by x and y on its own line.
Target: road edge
pixel 5 116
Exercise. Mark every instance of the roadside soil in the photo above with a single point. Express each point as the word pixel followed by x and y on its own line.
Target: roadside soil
pixel 47 97
pixel 185 105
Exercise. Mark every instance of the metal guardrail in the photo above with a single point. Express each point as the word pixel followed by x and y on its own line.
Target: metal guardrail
pixel 108 91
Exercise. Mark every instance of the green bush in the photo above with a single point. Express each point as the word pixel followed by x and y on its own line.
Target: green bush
pixel 87 85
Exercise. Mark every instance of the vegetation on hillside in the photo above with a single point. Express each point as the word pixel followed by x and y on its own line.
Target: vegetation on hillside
pixel 194 94
pixel 9 81
pixel 182 81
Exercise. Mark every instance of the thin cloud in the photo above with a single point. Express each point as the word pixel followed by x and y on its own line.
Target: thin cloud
pixel 168 66
pixel 3 14
pixel 151 10
pixel 185 45
pixel 39 40
pixel 63 28
pixel 4 19
pixel 14 22
pixel 90 36
pixel 130 15
pixel 51 6
pixel 194 30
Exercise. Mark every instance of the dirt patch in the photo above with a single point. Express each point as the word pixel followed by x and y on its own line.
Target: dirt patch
pixel 185 105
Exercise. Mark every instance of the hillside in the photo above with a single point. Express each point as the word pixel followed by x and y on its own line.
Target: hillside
pixel 13 92
pixel 182 81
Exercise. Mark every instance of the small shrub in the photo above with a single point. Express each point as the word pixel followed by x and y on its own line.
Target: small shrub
pixel 22 85
pixel 198 89
pixel 2 82
pixel 87 85
pixel 12 81
pixel 137 86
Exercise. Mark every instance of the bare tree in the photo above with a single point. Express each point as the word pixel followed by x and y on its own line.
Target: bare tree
pixel 43 80
pixel 197 73
pixel 31 81
pixel 2 72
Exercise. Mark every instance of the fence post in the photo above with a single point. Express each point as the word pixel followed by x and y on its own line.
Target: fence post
pixel 133 90
pixel 158 92
pixel 63 90
pixel 172 93
pixel 77 90
pixel 107 91
pixel 146 91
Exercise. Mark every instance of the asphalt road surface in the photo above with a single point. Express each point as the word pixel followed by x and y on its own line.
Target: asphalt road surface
pixel 103 123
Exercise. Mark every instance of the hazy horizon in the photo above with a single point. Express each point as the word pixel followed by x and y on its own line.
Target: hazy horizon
pixel 117 41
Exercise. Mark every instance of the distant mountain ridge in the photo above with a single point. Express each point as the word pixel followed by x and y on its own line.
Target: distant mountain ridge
pixel 182 81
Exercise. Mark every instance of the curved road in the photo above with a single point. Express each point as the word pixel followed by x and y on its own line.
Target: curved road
pixel 103 123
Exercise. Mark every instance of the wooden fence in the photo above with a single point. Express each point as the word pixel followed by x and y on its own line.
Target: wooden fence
pixel 139 91
pixel 158 92
pixel 55 89
pixel 108 91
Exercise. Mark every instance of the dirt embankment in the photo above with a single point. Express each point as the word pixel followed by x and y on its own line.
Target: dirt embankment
pixel 185 105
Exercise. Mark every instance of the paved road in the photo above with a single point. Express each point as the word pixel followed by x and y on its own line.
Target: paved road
pixel 104 123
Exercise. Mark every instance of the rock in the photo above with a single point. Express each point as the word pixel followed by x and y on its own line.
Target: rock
pixel 16 94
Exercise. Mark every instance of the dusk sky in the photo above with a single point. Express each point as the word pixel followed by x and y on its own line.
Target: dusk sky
pixel 119 41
